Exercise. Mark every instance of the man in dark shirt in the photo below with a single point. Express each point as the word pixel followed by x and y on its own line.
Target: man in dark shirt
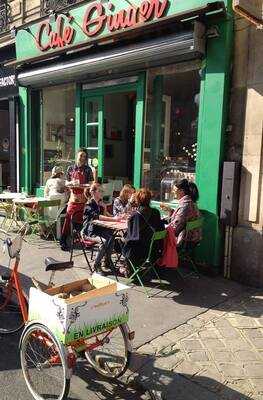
pixel 78 174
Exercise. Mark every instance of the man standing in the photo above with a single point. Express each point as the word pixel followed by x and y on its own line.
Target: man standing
pixel 77 175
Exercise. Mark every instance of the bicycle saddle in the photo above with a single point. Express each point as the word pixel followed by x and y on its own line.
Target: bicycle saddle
pixel 54 265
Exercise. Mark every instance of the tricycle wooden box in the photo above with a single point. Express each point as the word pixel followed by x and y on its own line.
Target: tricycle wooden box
pixel 103 306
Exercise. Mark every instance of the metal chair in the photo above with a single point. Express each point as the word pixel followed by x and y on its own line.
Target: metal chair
pixel 147 265
pixel 76 224
pixel 187 248
pixel 52 223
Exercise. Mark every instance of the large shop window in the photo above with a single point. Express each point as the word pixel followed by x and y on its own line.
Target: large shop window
pixel 58 143
pixel 170 145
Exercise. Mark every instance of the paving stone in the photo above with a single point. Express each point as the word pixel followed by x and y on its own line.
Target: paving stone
pixel 258 343
pixel 222 356
pixel 183 331
pixel 190 345
pixel 243 322
pixel 187 368
pixel 171 335
pixel 146 349
pixel 211 333
pixel 237 344
pixel 182 389
pixel 258 384
pixel 260 322
pixel 160 342
pixel 254 370
pixel 214 344
pixel 253 333
pixel 195 323
pixel 198 356
pixel 229 333
pixel 239 389
pixel 210 378
pixel 167 363
pixel 231 370
pixel 210 315
pixel 246 355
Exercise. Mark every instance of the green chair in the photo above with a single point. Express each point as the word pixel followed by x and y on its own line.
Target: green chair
pixel 145 266
pixel 187 249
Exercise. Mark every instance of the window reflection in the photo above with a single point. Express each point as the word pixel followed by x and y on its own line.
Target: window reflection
pixel 58 142
pixel 170 146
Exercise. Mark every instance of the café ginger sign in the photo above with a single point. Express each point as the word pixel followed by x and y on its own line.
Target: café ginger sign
pixel 95 20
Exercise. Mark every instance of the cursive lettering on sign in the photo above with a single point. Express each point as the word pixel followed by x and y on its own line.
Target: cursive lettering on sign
pixel 47 39
pixel 97 18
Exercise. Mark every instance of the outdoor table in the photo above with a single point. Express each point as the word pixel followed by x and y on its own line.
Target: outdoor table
pixel 117 228
pixel 37 202
pixel 9 196
pixel 34 207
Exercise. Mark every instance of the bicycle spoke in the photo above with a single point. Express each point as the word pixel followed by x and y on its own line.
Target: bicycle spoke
pixel 42 364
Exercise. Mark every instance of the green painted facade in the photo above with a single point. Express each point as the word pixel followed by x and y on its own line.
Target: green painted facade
pixel 26 39
pixel 213 113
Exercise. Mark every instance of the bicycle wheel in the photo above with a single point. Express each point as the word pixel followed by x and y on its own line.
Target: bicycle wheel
pixel 44 364
pixel 112 355
pixel 11 318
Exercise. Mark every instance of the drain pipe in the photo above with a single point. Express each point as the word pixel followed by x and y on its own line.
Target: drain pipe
pixel 245 14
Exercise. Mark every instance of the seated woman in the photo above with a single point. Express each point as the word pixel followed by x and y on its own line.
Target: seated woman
pixel 143 223
pixel 187 194
pixel 55 189
pixel 96 209
pixel 121 204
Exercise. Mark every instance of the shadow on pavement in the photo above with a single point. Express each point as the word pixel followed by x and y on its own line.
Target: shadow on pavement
pixel 171 385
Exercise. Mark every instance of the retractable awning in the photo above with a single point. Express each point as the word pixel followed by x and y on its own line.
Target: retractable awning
pixel 167 49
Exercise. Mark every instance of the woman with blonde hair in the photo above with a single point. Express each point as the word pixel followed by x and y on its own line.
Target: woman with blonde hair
pixel 121 204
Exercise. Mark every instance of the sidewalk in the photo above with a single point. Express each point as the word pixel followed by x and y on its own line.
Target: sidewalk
pixel 217 355
pixel 200 341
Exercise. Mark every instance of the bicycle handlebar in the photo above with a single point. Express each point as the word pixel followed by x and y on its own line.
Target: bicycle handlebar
pixel 14 245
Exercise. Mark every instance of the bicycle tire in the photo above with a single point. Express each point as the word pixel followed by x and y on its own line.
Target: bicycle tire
pixel 11 318
pixel 100 360
pixel 52 348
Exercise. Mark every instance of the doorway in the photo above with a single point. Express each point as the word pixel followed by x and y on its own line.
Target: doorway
pixel 112 130
pixel 119 141
pixel 4 145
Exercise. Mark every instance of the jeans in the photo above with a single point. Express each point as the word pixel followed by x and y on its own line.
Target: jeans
pixel 106 248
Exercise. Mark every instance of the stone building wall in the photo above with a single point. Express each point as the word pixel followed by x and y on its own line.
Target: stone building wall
pixel 244 144
pixel 19 12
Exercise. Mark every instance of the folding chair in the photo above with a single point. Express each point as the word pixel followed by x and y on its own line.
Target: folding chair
pixel 187 248
pixel 76 224
pixel 51 223
pixel 143 268
pixel 6 212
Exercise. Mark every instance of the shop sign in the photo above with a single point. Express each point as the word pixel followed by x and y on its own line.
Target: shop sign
pixel 8 86
pixel 96 20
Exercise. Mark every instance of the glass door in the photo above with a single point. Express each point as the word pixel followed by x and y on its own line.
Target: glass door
pixel 114 125
pixel 94 128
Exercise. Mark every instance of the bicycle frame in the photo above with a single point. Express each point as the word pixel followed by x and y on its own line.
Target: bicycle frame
pixel 14 281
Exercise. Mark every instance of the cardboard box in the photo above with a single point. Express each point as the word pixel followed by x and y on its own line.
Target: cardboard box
pixel 103 306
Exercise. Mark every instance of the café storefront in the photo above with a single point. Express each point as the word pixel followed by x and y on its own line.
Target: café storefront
pixel 143 86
